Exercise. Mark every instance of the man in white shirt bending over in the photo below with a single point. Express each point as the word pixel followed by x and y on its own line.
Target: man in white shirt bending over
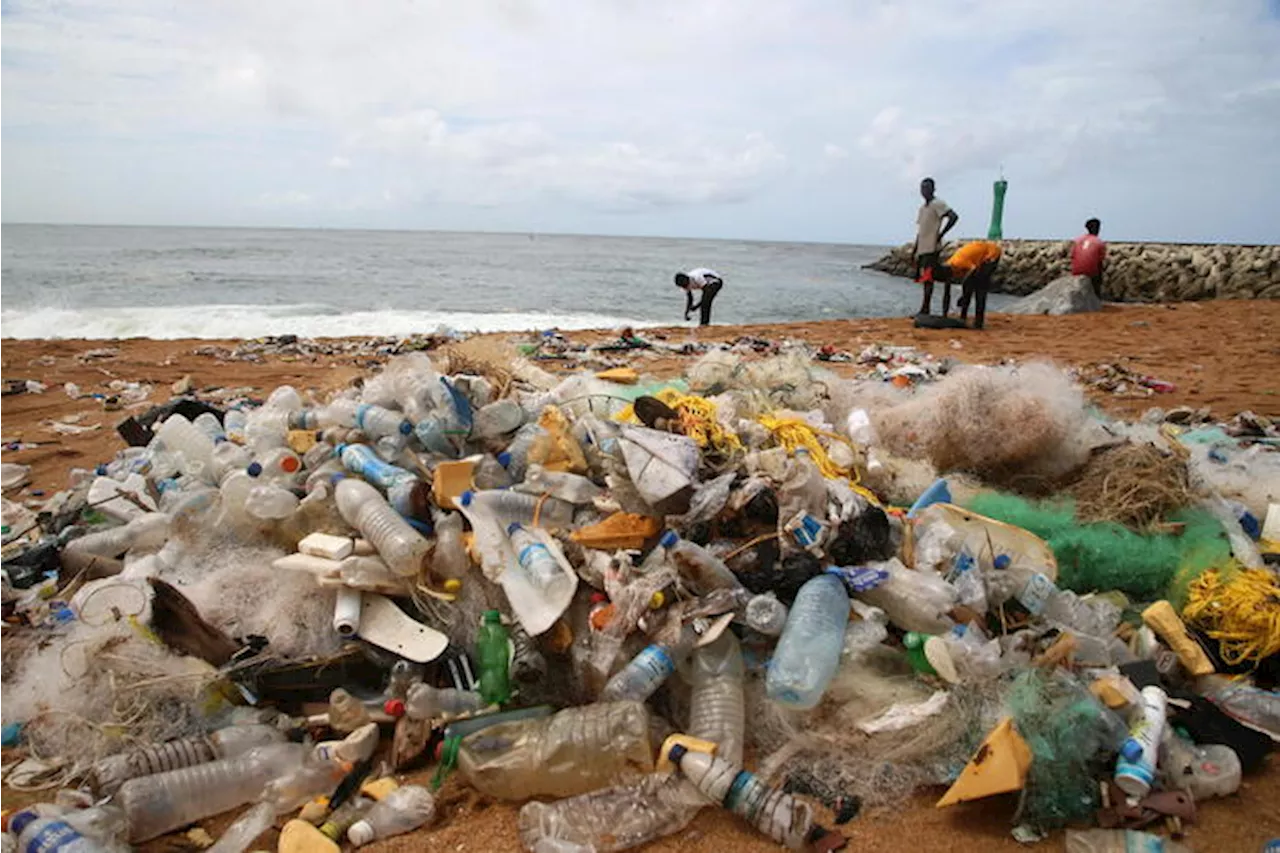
pixel 933 222
pixel 705 280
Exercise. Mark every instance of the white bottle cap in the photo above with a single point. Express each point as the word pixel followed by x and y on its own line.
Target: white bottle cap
pixel 360 833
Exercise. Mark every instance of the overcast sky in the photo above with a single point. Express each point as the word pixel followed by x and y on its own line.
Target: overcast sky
pixel 735 118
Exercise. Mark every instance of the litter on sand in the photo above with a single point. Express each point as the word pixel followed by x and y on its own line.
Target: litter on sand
pixel 806 589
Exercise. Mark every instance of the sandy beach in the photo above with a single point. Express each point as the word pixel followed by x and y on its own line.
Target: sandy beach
pixel 1224 356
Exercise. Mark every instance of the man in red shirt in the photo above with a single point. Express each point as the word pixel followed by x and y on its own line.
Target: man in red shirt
pixel 1089 255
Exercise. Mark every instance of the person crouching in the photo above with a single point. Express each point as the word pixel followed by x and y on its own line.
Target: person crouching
pixel 708 282
pixel 973 265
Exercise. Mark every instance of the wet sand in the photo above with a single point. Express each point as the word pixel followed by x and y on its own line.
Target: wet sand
pixel 1222 355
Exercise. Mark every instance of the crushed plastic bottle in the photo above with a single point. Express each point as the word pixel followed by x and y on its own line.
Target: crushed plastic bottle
pixel 425 702
pixel 717 710
pixel 93 830
pixel 572 488
pixel 701 570
pixel 146 532
pixel 449 560
pixel 808 652
pixel 346 712
pixel 766 614
pixel 510 507
pixel 403 810
pixel 402 547
pixel 647 671
pixel 778 815
pixel 612 819
pixel 113 771
pixel 516 457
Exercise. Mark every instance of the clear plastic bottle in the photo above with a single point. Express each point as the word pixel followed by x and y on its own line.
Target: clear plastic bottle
pixel 279 465
pixel 808 652
pixel 94 830
pixel 340 412
pixel 1206 771
pixel 246 829
pixel 716 706
pixel 113 771
pixel 507 507
pixel 449 560
pixel 573 488
pixel 402 547
pixel 284 398
pixel 193 448
pixel 766 614
pixel 516 457
pixel 612 819
pixel 528 666
pixel 489 474
pixel 1241 699
pixel 234 423
pixel 571 752
pixel 146 532
pixel 647 671
pixel 318 454
pixel 778 815
pixel 1120 841
pixel 701 570
pixel 266 428
pixel 540 567
pixel 270 502
pixel 337 822
pixel 211 427
pixel 404 490
pixel 163 802
pixel 377 422
pixel 403 810
pixel 496 419
pixel 228 457
pixel 346 712
pixel 425 702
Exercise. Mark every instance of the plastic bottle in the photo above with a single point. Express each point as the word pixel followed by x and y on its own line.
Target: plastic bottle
pixel 227 457
pixel 211 427
pixel 284 398
pixel 573 488
pixel 1257 707
pixel 1136 766
pixel 489 474
pixel 403 810
pixel 339 412
pixel 266 428
pixel 378 422
pixel 808 652
pixel 425 702
pixel 94 830
pixel 574 751
pixel 403 549
pixel 338 821
pixel 804 492
pixel 145 532
pixel 449 560
pixel 508 507
pixel 113 771
pixel 528 666
pixel 238 836
pixel 647 671
pixel 404 490
pixel 494 653
pixel 193 448
pixel 1120 841
pixel 540 567
pixel 516 457
pixel 701 570
pixel 496 419
pixel 716 705
pixel 233 423
pixel 352 749
pixel 1206 771
pixel 778 815
pixel 612 819
pixel 766 614
pixel 161 803
pixel 346 712
pixel 268 501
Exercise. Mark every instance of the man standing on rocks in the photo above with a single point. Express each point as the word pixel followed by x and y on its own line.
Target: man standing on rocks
pixel 933 222
pixel 1089 255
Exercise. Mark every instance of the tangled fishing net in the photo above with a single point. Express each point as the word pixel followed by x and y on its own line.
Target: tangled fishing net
pixel 787 381
pixel 1021 428
pixel 1132 484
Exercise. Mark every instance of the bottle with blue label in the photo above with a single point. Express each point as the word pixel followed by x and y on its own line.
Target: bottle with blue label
pixel 51 829
pixel 647 671
pixel 540 566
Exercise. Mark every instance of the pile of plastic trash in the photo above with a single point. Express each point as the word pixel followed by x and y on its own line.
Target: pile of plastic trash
pixel 602 596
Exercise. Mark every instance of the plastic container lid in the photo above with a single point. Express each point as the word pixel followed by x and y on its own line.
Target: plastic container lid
pixel 669 539
pixel 290 464
pixel 254 469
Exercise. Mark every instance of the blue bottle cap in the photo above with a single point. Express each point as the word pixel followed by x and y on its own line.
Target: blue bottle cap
pixel 254 469
pixel 669 539
pixel 101 470
pixel 465 497
pixel 513 527
pixel 1002 561
pixel 405 427
pixel 1131 750
pixel 341 447
pixel 504 459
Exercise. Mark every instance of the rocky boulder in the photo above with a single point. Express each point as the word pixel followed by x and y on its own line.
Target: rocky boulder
pixel 1070 294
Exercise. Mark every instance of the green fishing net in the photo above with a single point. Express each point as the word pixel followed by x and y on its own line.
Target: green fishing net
pixel 1106 556
pixel 1072 737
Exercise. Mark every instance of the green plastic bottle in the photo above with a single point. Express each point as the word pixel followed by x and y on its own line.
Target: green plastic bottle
pixel 494 652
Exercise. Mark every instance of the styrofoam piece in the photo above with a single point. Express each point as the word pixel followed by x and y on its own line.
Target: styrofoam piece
pixel 308 563
pixel 387 626
pixel 326 545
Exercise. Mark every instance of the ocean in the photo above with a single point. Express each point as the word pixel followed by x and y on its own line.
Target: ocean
pixel 117 282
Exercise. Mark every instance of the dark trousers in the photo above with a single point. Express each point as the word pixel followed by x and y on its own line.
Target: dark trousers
pixel 929 270
pixel 708 296
pixel 975 287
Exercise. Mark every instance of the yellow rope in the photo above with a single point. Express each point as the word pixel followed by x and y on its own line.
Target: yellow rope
pixel 794 433
pixel 1242 614
pixel 697 421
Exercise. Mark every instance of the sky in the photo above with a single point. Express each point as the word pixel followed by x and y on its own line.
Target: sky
pixel 751 119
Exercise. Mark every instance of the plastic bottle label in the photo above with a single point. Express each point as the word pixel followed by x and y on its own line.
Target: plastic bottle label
pixel 1143 842
pixel 655 663
pixel 1035 595
pixel 55 836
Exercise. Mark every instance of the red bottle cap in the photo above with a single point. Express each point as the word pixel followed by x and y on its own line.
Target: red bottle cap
pixel 394 707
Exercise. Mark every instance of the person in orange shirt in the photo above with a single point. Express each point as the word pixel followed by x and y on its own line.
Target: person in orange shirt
pixel 973 265
pixel 1089 255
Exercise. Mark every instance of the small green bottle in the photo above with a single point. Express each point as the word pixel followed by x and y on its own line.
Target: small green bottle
pixel 495 653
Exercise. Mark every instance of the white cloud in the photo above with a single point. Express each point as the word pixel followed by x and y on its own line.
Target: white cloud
pixel 686 116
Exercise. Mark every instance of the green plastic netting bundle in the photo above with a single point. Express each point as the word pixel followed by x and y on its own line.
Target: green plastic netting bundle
pixel 1104 556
